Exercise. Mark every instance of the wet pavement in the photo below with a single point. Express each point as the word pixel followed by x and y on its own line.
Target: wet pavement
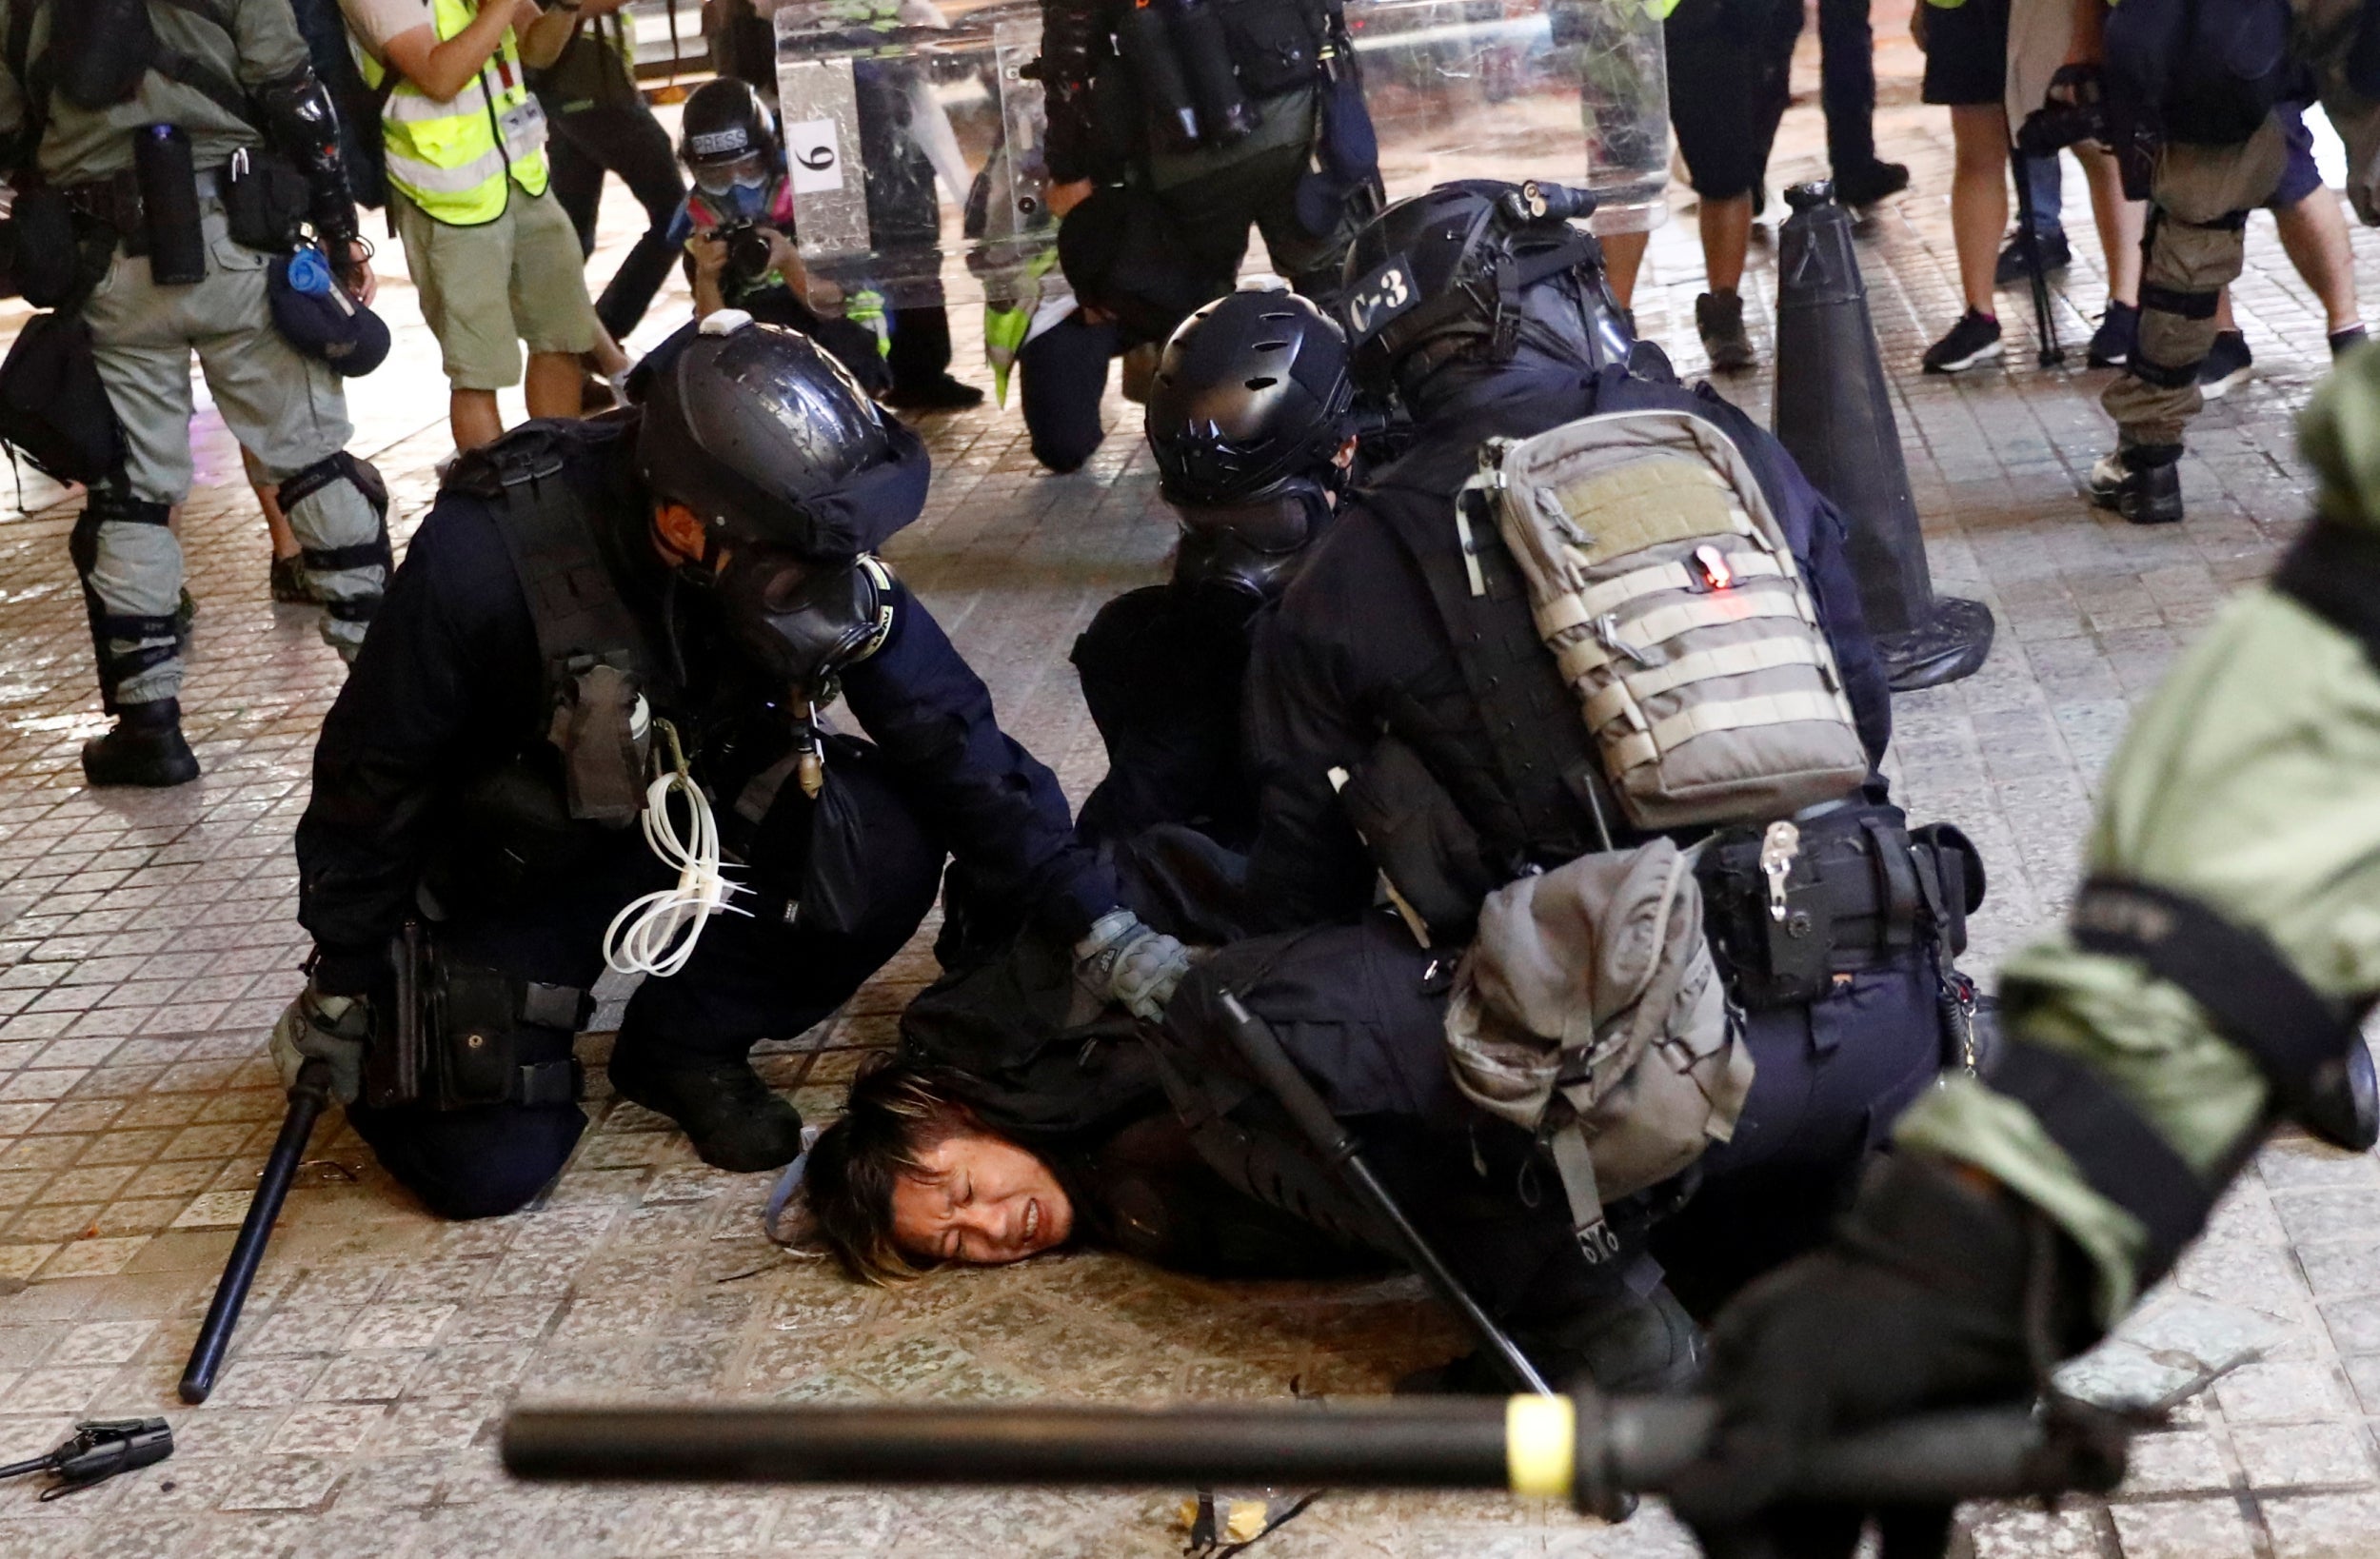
pixel 148 942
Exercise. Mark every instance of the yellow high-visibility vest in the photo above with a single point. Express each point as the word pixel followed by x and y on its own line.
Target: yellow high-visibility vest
pixel 454 158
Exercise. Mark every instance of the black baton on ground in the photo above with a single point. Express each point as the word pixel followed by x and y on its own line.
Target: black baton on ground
pixel 1584 1450
pixel 1260 1048
pixel 307 1096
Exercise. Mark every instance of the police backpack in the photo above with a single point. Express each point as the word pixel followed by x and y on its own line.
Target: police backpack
pixel 1662 583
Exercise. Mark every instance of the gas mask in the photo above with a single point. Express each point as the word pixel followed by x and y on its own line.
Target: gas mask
pixel 804 621
pixel 738 189
pixel 1253 547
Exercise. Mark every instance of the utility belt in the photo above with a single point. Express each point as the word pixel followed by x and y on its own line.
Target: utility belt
pixel 156 208
pixel 459 1035
pixel 1790 906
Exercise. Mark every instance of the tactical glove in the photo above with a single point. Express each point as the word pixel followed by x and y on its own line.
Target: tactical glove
pixel 1921 1302
pixel 1126 963
pixel 327 1028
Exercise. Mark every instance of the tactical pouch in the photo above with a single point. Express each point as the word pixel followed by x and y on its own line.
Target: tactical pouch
pixel 598 716
pixel 169 186
pixel 473 1030
pixel 1428 853
pixel 48 257
pixel 54 408
pixel 1790 906
pixel 265 201
pixel 1275 44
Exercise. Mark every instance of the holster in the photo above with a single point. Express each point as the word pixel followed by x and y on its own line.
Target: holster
pixel 1861 890
pixel 452 1037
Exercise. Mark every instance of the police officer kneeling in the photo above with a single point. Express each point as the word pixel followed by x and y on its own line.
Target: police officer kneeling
pixel 585 603
pixel 1407 719
pixel 1253 423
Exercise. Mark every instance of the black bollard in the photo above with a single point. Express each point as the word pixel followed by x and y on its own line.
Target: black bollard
pixel 1834 416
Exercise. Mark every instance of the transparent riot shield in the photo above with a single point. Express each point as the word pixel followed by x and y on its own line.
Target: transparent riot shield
pixel 915 135
pixel 893 121
pixel 1501 89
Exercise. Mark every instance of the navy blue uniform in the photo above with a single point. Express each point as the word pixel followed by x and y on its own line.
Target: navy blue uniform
pixel 449 691
pixel 1356 647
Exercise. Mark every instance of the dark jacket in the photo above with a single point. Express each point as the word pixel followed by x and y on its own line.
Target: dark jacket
pixel 1357 646
pixel 450 689
pixel 1161 669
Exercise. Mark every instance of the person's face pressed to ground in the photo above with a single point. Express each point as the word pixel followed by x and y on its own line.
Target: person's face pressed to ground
pixel 982 1200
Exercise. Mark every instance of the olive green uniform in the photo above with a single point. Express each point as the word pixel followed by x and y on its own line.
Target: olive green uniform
pixel 2251 782
pixel 288 409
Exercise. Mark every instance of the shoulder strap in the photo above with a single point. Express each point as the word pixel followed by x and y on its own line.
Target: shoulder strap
pixel 1542 750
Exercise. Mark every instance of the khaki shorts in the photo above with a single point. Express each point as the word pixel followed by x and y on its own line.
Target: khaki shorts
pixel 486 290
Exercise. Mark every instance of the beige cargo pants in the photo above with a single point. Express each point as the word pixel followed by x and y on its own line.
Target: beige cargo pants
pixel 287 409
pixel 2198 207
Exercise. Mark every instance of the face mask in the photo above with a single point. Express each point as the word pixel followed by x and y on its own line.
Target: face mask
pixel 804 621
pixel 1253 547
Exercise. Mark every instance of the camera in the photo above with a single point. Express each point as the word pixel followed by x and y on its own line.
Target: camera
pixel 748 252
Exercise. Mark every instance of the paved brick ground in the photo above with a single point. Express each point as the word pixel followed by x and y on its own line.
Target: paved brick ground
pixel 148 942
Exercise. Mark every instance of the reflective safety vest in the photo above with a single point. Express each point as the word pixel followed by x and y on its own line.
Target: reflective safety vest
pixel 453 158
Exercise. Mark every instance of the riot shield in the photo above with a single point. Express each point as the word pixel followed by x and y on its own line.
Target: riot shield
pixel 915 134
pixel 1466 90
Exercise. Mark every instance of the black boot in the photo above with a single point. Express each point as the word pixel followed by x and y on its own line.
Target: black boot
pixel 2142 483
pixel 732 1118
pixel 1622 1341
pixel 146 748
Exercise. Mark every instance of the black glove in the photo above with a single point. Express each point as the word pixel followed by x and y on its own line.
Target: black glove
pixel 1934 1293
pixel 304 126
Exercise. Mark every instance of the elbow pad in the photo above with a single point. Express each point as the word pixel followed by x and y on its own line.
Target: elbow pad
pixel 303 124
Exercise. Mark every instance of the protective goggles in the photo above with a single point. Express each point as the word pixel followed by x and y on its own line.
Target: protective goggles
pixel 749 172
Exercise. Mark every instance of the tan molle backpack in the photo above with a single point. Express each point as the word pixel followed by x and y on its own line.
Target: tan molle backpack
pixel 1661 582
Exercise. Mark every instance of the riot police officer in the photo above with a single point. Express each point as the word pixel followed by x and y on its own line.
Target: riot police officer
pixel 2209 985
pixel 1404 719
pixel 1214 123
pixel 674 590
pixel 142 144
pixel 1252 419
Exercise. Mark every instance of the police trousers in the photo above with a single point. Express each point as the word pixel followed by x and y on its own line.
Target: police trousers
pixel 286 408
pixel 1362 1012
pixel 767 975
pixel 2198 204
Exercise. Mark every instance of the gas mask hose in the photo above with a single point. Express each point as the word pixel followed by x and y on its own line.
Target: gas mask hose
pixel 656 935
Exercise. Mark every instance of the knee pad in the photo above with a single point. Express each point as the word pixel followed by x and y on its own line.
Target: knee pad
pixel 350 605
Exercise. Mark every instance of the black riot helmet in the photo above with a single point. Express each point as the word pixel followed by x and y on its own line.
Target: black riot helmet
pixel 795 474
pixel 729 139
pixel 1475 270
pixel 1251 404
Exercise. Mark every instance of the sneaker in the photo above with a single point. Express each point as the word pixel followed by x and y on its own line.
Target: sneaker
pixel 2226 366
pixel 2343 342
pixel 1974 339
pixel 1875 182
pixel 145 749
pixel 731 1117
pixel 2119 332
pixel 2147 492
pixel 1719 320
pixel 940 393
pixel 289 584
pixel 2057 254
